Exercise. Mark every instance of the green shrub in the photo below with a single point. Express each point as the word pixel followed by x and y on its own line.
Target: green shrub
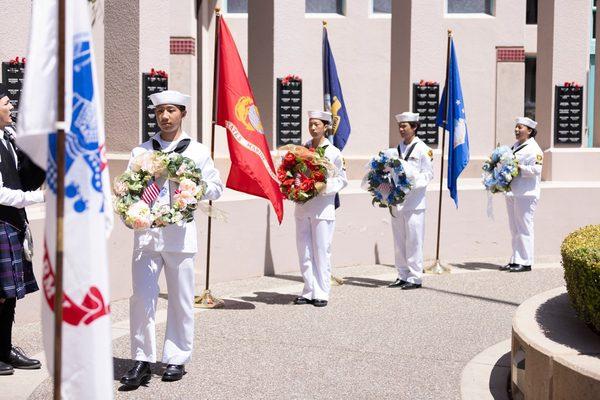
pixel 580 253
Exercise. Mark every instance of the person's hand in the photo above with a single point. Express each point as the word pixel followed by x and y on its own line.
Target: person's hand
pixel 319 186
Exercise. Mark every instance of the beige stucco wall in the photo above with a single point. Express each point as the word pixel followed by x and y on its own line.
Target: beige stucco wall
pixel 563 48
pixel 475 40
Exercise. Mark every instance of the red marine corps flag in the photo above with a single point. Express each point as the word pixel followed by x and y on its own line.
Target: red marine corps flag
pixel 252 169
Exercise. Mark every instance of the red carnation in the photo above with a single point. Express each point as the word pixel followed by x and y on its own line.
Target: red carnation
pixel 307 185
pixel 319 176
pixel 288 182
pixel 289 160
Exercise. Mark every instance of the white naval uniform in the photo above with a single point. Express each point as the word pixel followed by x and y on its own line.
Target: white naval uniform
pixel 173 247
pixel 408 225
pixel 522 200
pixel 315 224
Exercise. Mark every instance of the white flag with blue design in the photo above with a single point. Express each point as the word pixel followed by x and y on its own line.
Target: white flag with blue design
pixel 87 369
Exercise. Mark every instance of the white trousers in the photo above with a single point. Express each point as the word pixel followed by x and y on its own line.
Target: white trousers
pixel 409 229
pixel 179 336
pixel 520 221
pixel 313 240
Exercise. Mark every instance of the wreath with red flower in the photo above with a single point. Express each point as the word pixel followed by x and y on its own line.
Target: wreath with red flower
pixel 303 172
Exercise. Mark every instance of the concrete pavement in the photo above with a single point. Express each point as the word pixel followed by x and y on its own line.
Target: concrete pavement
pixel 370 342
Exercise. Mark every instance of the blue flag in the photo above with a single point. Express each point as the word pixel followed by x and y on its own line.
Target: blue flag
pixel 455 122
pixel 333 97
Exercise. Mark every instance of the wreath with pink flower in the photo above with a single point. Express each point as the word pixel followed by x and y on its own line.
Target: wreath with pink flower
pixel 136 189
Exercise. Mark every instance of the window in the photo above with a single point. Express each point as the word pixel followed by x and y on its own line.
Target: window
pixel 324 7
pixel 531 13
pixel 470 7
pixel 235 6
pixel 530 67
pixel 382 6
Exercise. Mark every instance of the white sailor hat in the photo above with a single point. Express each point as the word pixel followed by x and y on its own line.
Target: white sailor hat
pixel 526 121
pixel 407 116
pixel 170 97
pixel 322 115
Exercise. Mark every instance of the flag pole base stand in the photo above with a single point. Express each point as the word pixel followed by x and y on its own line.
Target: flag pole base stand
pixel 336 281
pixel 207 300
pixel 437 269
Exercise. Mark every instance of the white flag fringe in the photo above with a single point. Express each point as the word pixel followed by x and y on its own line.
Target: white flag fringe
pixel 87 368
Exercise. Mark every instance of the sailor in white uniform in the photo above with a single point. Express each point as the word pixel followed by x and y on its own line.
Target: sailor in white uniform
pixel 172 247
pixel 408 224
pixel 315 219
pixel 524 194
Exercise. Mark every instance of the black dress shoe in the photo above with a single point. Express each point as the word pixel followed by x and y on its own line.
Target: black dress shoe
pixel 507 267
pixel 6 369
pixel 520 268
pixel 140 374
pixel 173 373
pixel 397 283
pixel 319 303
pixel 410 285
pixel 18 359
pixel 302 300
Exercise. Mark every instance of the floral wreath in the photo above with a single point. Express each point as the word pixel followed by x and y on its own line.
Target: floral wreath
pixel 303 172
pixel 499 170
pixel 136 189
pixel 387 181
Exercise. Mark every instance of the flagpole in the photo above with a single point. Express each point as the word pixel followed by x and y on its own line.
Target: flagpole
pixel 335 280
pixel 60 205
pixel 437 267
pixel 207 300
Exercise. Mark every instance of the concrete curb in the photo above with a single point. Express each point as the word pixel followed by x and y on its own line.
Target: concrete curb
pixel 485 376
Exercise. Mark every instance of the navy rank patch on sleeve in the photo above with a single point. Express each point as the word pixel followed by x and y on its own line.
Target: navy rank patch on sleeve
pixel 539 159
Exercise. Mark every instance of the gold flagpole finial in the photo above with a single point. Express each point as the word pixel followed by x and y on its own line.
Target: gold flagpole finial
pixel 449 32
pixel 324 24
pixel 217 10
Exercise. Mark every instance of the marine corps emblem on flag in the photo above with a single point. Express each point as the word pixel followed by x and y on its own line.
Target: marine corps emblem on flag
pixel 247 113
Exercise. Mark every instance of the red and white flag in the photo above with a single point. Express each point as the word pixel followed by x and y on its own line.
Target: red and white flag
pixel 252 169
pixel 150 193
pixel 87 368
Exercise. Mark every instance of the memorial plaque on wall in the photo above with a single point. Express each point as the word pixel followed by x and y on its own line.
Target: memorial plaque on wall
pixel 289 112
pixel 568 114
pixel 12 77
pixel 425 102
pixel 151 83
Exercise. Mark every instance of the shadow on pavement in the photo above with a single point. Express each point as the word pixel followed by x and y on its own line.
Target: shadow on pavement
pixel 474 266
pixel 272 298
pixel 365 282
pixel 473 296
pixel 122 365
pixel 293 278
pixel 499 382
pixel 558 320
pixel 237 305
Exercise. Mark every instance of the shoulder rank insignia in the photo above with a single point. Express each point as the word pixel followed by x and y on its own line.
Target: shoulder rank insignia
pixel 538 159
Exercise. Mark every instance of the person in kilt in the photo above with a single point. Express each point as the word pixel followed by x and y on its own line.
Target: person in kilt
pixel 18 179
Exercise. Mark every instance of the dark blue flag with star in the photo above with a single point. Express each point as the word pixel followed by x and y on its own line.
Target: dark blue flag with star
pixel 333 97
pixel 455 122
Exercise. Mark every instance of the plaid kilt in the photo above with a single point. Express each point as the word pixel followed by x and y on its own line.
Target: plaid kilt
pixel 16 273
